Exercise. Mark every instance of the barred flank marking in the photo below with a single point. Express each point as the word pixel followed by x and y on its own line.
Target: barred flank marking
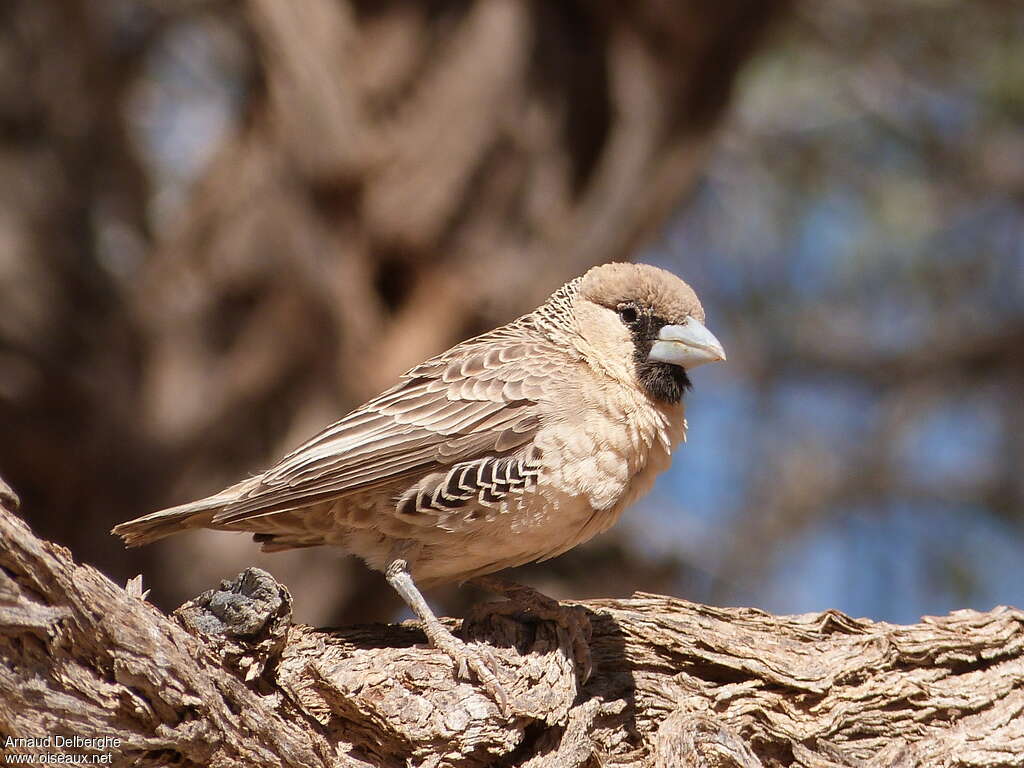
pixel 487 482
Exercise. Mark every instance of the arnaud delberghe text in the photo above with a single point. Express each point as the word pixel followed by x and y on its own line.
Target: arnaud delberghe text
pixel 98 743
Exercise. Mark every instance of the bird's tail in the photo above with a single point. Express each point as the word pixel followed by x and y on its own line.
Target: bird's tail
pixel 195 514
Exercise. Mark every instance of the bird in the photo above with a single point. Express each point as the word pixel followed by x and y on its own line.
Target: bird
pixel 511 447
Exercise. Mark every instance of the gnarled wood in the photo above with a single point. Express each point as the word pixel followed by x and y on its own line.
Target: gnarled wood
pixel 229 680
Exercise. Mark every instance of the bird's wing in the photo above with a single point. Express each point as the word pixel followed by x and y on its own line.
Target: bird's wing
pixel 479 398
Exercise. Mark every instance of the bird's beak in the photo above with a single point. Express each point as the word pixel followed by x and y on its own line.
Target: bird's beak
pixel 687 345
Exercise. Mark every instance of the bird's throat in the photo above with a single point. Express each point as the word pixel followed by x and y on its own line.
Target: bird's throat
pixel 662 382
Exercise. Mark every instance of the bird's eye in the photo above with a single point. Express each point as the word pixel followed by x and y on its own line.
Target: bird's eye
pixel 629 314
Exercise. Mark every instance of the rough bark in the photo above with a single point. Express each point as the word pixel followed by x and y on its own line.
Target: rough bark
pixel 229 680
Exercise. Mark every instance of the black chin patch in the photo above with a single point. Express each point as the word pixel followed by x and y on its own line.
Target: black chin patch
pixel 664 382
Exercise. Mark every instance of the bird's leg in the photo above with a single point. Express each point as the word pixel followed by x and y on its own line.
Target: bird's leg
pixel 572 618
pixel 465 658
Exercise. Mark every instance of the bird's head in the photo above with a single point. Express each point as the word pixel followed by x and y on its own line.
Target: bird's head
pixel 644 325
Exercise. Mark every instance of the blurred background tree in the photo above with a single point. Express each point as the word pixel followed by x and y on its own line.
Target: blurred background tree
pixel 223 224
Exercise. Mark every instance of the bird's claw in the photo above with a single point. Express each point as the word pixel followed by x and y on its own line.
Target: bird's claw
pixel 473 663
pixel 572 618
pixel 485 667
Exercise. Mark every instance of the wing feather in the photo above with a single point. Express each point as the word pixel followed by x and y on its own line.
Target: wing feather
pixel 478 399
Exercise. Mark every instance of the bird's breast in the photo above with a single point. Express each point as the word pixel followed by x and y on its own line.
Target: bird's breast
pixel 608 453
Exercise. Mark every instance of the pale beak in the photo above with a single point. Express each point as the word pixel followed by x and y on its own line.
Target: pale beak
pixel 687 345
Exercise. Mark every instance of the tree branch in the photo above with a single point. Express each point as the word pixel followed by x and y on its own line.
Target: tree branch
pixel 229 680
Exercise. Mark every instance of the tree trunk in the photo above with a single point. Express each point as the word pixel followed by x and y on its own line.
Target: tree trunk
pixel 228 680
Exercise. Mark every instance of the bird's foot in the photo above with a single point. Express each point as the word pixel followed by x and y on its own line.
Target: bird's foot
pixel 469 660
pixel 522 599
pixel 466 659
